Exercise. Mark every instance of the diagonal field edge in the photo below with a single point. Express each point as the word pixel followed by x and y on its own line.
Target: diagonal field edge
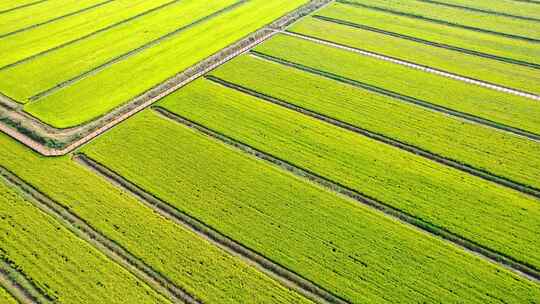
pixel 413 65
pixel 479 10
pixel 56 19
pixel 108 247
pixel 427 42
pixel 22 6
pixel 508 262
pixel 20 286
pixel 486 175
pixel 472 28
pixel 260 262
pixel 135 51
pixel 398 96
pixel 60 46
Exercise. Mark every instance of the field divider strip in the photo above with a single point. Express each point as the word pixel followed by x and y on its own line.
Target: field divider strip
pixel 108 247
pixel 413 65
pixel 486 175
pixel 277 272
pixel 22 6
pixel 135 51
pixel 398 96
pixel 523 269
pixel 19 286
pixel 107 28
pixel 24 29
pixel 471 28
pixel 479 10
pixel 427 42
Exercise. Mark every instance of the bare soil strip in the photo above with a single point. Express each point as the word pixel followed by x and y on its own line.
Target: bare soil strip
pixel 20 287
pixel 108 247
pixel 438 21
pixel 500 259
pixel 49 141
pixel 405 98
pixel 89 35
pixel 478 10
pixel 427 42
pixel 56 19
pixel 22 6
pixel 281 274
pixel 134 52
pixel 386 140
pixel 415 66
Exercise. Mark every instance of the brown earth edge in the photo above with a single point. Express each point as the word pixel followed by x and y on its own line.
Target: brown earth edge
pixel 49 141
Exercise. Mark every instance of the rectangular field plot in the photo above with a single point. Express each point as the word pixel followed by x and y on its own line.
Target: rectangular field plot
pixel 25 45
pixel 519 28
pixel 486 148
pixel 505 109
pixel 65 268
pixel 349 249
pixel 501 73
pixel 412 28
pixel 187 260
pixel 493 216
pixel 83 80
pixel 525 9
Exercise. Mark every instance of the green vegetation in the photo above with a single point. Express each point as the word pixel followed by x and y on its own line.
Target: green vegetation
pixel 490 22
pixel 471 40
pixel 503 108
pixel 39 13
pixel 65 268
pixel 23 81
pixel 498 152
pixel 34 41
pixel 497 72
pixel 516 8
pixel 5 297
pixel 347 248
pixel 99 93
pixel 490 215
pixel 204 270
pixel 12 4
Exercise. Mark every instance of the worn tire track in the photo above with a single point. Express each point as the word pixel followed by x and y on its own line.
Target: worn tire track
pixel 109 248
pixel 525 270
pixel 279 273
pixel 19 286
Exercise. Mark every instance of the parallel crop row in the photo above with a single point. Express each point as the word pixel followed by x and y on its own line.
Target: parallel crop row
pixel 5 297
pixel 501 73
pixel 192 263
pixel 521 29
pixel 412 27
pixel 23 81
pixel 349 249
pixel 498 152
pixel 491 105
pixel 98 93
pixel 495 217
pixel 523 9
pixel 21 46
pixel 64 268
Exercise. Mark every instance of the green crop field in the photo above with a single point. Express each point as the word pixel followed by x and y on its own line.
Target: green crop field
pixel 251 151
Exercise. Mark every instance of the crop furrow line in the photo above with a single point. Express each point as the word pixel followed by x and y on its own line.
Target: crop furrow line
pixel 24 29
pixel 472 28
pixel 22 6
pixel 398 96
pixel 108 247
pixel 413 65
pixel 479 10
pixel 279 273
pixel 486 175
pixel 134 51
pixel 522 268
pixel 142 14
pixel 19 286
pixel 427 42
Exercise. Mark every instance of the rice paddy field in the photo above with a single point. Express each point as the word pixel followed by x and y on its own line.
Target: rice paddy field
pixel 250 151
